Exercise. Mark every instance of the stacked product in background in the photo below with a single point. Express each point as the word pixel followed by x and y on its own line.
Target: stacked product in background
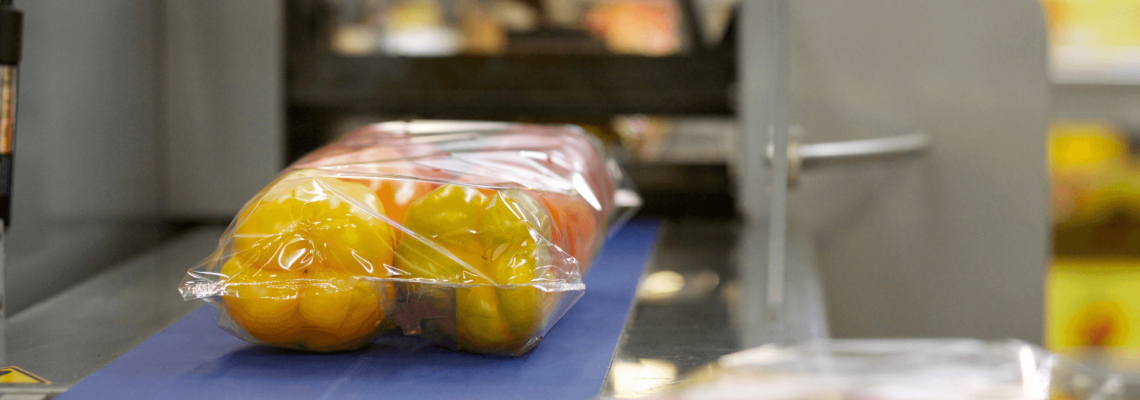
pixel 475 235
pixel 1093 287
pixel 1094 179
pixel 435 28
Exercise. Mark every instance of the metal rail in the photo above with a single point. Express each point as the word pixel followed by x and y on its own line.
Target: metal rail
pixel 807 157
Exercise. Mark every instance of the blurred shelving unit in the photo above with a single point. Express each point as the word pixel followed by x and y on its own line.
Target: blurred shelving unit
pixel 548 75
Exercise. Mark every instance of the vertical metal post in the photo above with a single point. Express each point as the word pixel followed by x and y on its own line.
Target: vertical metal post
pixel 3 303
pixel 8 79
pixel 764 57
pixel 11 32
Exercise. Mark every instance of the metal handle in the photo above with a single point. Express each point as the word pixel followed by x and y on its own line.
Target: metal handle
pixel 818 155
pixel 853 152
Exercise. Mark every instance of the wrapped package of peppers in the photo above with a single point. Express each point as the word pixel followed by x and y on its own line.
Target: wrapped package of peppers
pixel 474 235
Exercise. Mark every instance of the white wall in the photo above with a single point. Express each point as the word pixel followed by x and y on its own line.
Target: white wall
pixel 87 171
pixel 224 88
pixel 133 113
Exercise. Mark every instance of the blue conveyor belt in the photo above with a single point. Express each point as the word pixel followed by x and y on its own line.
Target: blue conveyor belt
pixel 194 359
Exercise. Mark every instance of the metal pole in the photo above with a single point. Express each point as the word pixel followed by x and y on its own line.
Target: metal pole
pixel 764 54
pixel 11 30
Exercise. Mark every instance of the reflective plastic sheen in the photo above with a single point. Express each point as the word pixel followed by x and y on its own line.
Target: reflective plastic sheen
pixel 896 369
pixel 474 235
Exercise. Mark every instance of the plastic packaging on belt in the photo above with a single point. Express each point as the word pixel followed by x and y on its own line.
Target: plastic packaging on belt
pixel 896 369
pixel 474 235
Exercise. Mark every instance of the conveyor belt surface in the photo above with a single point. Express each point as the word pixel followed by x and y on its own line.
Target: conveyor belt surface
pixel 194 359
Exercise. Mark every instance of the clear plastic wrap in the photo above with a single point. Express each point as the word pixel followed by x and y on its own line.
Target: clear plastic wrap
pixel 475 235
pixel 889 369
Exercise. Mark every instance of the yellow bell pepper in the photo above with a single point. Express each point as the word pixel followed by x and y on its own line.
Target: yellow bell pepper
pixel 492 245
pixel 303 253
